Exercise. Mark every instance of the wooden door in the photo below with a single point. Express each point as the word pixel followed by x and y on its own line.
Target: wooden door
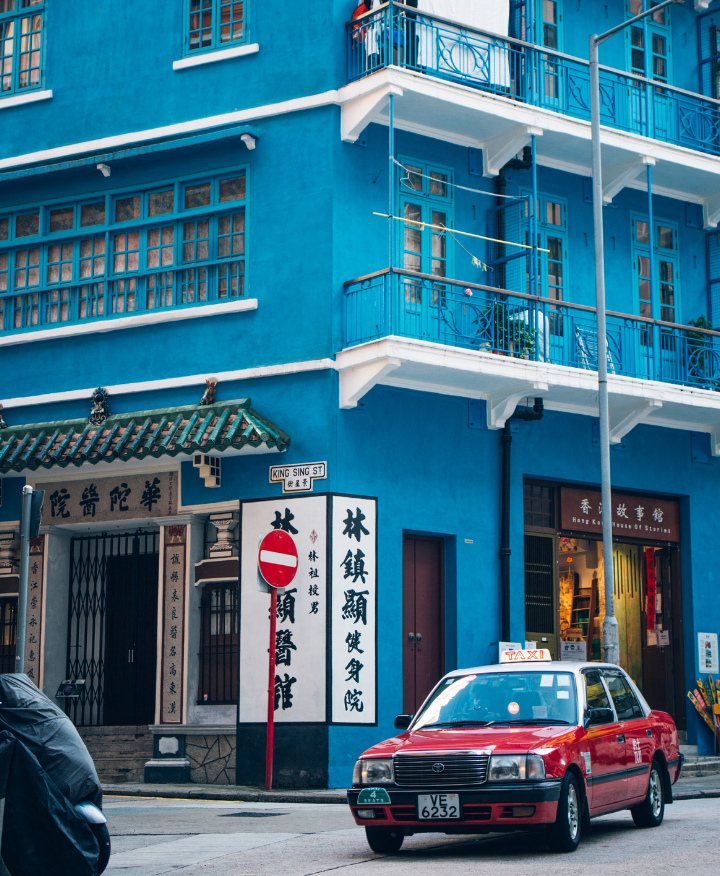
pixel 628 604
pixel 423 619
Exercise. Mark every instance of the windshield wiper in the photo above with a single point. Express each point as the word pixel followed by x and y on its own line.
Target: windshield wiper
pixel 535 721
pixel 455 724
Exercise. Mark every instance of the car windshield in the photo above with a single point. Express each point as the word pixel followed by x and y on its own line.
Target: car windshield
pixel 501 698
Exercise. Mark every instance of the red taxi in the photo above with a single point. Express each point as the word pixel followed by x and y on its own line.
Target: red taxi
pixel 526 744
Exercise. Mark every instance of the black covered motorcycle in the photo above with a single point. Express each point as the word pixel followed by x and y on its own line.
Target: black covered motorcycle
pixel 51 820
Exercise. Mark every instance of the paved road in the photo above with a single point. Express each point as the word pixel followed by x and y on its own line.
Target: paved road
pixel 193 838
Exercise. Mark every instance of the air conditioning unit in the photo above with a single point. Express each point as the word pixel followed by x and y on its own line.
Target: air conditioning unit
pixel 208 468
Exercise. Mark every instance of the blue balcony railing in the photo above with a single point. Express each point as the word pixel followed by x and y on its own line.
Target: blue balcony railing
pixel 473 317
pixel 524 72
pixel 126 295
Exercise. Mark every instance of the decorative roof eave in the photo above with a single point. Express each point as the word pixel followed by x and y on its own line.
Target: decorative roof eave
pixel 166 432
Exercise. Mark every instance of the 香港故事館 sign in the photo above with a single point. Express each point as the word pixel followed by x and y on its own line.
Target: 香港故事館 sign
pixel 636 516
pixel 298 478
pixel 124 497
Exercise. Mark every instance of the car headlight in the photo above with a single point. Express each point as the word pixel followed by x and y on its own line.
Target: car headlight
pixel 516 767
pixel 375 771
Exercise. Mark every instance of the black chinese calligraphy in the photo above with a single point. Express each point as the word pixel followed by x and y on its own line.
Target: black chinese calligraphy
pixel 89 500
pixel 313 590
pixel 313 557
pixel 151 494
pixel 355 566
pixel 353 703
pixel 355 607
pixel 284 522
pixel 286 606
pixel 314 573
pixel 58 503
pixel 283 692
pixel 353 668
pixel 314 608
pixel 352 640
pixel 354 525
pixel 284 645
pixel 118 497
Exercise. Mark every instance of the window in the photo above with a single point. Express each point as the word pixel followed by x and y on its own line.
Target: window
pixel 549 34
pixel 665 264
pixel 211 25
pixel 595 692
pixel 552 242
pixel 426 203
pixel 8 627
pixel 539 505
pixel 22 26
pixel 172 245
pixel 649 43
pixel 219 644
pixel 626 704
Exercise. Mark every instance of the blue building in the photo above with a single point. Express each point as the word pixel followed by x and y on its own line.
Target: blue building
pixel 268 274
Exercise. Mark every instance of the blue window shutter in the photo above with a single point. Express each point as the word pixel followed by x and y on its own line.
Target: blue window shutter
pixel 475 162
pixel 713 269
pixel 693 215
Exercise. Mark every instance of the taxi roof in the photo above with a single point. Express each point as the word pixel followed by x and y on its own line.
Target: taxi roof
pixel 532 666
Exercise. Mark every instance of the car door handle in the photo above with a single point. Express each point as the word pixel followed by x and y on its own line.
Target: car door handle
pixel 620 738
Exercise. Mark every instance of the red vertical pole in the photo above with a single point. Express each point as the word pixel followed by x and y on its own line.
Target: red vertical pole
pixel 271 693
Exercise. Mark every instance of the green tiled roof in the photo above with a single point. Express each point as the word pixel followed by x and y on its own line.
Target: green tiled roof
pixel 166 432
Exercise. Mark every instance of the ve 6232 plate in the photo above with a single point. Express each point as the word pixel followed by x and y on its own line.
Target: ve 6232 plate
pixel 438 806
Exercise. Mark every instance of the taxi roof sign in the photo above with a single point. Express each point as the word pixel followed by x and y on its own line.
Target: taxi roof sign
pixel 536 655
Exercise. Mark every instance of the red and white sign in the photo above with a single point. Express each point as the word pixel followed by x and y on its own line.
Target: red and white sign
pixel 540 654
pixel 278 558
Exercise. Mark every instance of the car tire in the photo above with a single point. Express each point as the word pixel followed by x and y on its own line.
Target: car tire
pixel 651 811
pixel 384 840
pixel 564 835
pixel 103 840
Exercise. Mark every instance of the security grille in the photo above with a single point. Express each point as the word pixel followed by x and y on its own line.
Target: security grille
pixel 219 644
pixel 424 770
pixel 112 621
pixel 8 628
pixel 539 584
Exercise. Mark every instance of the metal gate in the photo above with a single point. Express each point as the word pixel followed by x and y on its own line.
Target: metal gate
pixel 113 585
pixel 8 632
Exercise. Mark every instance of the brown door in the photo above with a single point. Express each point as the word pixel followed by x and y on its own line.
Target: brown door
pixel 423 622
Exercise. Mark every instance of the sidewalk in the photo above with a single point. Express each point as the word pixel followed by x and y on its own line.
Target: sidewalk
pixel 686 789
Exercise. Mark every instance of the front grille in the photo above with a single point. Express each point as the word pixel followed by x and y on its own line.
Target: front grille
pixel 459 770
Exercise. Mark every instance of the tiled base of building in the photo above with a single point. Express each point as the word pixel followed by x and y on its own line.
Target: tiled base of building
pixel 212 759
pixel 192 753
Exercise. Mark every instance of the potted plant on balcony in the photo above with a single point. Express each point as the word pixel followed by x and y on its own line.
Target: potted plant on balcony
pixel 508 330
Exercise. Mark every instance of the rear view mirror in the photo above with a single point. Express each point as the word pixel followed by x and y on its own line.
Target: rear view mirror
pixel 402 722
pixel 598 716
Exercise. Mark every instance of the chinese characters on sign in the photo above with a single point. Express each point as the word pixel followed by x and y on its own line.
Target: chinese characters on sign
pixel 632 515
pixel 35 597
pixel 300 637
pixel 353 610
pixel 298 478
pixel 110 499
pixel 173 625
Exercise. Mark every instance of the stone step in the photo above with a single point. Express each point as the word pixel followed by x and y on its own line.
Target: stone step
pixel 119 753
pixel 698 766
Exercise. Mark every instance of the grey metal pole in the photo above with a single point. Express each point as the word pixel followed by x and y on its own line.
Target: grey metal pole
pixel 611 652
pixel 27 494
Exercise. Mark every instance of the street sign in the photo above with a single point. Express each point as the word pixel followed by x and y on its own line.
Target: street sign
pixel 298 478
pixel 278 558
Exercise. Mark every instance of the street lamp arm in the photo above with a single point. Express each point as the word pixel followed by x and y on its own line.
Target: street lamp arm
pixel 608 33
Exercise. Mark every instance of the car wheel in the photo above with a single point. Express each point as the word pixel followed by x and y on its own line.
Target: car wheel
pixel 564 835
pixel 384 840
pixel 103 840
pixel 651 811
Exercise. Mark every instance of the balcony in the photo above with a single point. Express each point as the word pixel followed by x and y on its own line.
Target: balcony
pixel 492 92
pixel 438 335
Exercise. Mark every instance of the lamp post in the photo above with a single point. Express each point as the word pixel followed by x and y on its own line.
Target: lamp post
pixel 611 653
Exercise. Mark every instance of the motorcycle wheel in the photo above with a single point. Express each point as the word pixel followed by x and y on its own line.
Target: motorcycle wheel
pixel 103 840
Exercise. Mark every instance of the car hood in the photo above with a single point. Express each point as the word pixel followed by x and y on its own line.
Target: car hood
pixel 497 739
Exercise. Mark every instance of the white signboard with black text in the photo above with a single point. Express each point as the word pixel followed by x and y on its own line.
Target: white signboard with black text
pixel 353 610
pixel 708 653
pixel 301 636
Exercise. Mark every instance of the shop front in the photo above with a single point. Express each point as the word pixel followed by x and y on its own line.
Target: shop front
pixel 565 592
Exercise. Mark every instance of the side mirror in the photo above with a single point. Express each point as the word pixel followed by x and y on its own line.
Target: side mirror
pixel 598 716
pixel 402 722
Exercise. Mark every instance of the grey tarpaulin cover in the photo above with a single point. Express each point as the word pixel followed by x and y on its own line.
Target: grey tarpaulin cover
pixel 40 833
pixel 51 736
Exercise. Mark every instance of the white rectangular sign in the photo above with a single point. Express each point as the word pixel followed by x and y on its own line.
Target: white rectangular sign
pixel 353 610
pixel 298 478
pixel 576 651
pixel 301 651
pixel 708 653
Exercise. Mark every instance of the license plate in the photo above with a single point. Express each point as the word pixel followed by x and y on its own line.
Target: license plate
pixel 438 806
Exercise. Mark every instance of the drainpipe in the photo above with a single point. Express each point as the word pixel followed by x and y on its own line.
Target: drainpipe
pixel 529 415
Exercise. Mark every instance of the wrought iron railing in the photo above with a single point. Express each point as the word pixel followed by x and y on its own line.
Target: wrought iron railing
pixel 481 318
pixel 126 295
pixel 525 72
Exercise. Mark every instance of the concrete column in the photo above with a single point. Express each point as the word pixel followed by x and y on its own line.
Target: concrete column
pixel 55 621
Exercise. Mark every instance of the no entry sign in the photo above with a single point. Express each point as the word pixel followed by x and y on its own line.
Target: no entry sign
pixel 278 558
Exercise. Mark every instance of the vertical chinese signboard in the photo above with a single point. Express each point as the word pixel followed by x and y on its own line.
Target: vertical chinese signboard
pixel 173 625
pixel 300 638
pixel 35 613
pixel 353 611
